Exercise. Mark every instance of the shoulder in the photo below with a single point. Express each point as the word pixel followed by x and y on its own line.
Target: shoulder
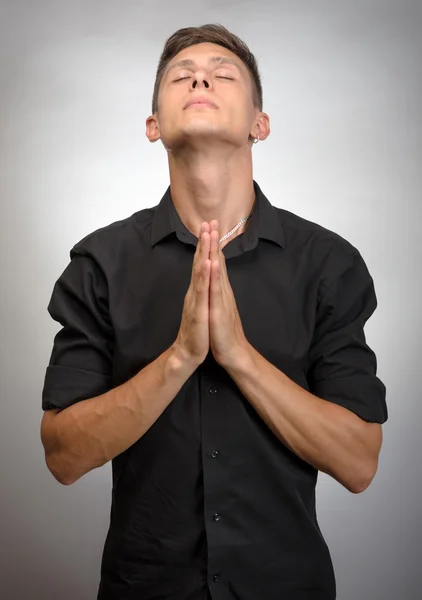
pixel 298 230
pixel 325 251
pixel 107 243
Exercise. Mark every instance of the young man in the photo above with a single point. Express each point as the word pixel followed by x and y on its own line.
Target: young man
pixel 213 348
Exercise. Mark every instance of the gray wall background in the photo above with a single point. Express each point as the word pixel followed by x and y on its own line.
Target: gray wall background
pixel 342 85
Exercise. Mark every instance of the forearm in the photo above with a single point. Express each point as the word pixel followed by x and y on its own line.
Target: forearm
pixel 91 432
pixel 328 436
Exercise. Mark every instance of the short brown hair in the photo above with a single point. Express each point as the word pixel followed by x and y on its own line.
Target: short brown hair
pixel 214 34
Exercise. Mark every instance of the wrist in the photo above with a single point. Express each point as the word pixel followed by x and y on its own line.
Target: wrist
pixel 180 360
pixel 241 362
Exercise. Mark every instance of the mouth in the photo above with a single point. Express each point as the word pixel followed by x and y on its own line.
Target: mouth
pixel 201 103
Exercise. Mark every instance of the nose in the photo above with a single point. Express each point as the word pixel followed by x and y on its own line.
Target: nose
pixel 200 80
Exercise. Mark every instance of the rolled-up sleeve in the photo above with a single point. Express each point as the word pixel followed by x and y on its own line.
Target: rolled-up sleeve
pixel 342 367
pixel 81 361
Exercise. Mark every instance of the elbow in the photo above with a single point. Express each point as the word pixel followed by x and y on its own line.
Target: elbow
pixel 55 456
pixel 362 479
pixel 359 486
pixel 64 480
pixel 58 472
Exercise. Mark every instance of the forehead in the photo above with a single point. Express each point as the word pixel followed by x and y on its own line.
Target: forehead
pixel 205 55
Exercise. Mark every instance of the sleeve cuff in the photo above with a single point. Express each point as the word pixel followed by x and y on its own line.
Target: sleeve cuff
pixel 64 386
pixel 364 395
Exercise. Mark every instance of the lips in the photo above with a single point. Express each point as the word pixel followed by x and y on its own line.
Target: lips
pixel 201 100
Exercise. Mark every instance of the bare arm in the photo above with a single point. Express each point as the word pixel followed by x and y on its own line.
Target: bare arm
pixel 326 435
pixel 91 432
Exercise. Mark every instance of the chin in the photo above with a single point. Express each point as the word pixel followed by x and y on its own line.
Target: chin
pixel 198 135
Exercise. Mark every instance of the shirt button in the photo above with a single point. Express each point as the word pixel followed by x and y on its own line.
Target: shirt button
pixel 216 517
pixel 214 453
pixel 216 578
pixel 213 391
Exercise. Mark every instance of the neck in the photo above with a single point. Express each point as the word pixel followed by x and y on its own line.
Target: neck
pixel 205 186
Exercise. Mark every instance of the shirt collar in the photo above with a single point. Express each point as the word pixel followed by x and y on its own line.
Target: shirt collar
pixel 263 223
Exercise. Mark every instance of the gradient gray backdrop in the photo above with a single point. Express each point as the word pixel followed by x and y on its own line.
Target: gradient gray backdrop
pixel 342 85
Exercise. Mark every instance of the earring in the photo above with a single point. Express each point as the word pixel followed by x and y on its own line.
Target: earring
pixel 257 140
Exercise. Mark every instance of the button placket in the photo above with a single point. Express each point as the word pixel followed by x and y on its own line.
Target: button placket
pixel 215 520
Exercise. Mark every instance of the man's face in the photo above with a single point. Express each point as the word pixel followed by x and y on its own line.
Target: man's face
pixel 210 72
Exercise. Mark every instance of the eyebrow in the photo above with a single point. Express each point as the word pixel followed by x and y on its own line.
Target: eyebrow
pixel 187 62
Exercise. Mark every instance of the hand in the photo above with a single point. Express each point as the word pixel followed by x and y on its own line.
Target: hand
pixel 193 336
pixel 227 338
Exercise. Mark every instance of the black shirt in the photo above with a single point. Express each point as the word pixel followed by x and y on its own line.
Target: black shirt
pixel 208 497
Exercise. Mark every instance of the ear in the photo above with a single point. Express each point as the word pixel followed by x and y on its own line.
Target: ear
pixel 152 128
pixel 261 128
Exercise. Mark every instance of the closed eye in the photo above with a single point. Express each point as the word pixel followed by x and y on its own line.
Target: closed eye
pixel 217 77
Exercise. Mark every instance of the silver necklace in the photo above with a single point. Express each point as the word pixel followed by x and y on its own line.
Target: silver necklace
pixel 235 228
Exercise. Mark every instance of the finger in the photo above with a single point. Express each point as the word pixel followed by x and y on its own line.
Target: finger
pixel 217 255
pixel 202 246
pixel 195 257
pixel 204 227
pixel 205 245
pixel 223 265
pixel 214 245
pixel 215 283
pixel 199 245
pixel 205 256
pixel 203 283
pixel 202 266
